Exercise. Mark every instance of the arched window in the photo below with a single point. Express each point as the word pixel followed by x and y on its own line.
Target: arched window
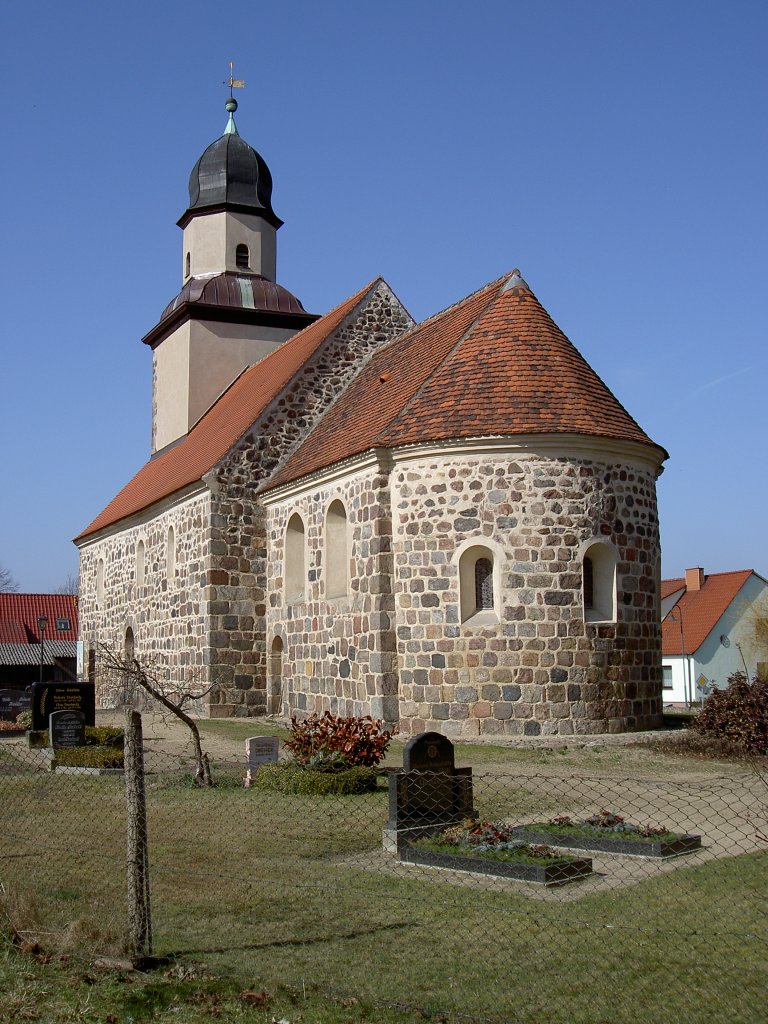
pixel 483 584
pixel 336 561
pixel 599 582
pixel 140 564
pixel 275 677
pixel 478 585
pixel 242 259
pixel 100 582
pixel 91 665
pixel 170 554
pixel 187 265
pixel 294 560
pixel 130 645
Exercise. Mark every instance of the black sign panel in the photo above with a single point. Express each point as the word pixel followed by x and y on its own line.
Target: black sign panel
pixel 48 697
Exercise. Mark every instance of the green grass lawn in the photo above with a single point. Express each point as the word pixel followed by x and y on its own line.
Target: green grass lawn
pixel 292 895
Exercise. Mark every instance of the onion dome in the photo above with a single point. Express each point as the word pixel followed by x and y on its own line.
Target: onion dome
pixel 231 174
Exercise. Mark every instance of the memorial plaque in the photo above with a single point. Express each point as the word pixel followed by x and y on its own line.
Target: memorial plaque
pixel 66 728
pixel 49 697
pixel 261 750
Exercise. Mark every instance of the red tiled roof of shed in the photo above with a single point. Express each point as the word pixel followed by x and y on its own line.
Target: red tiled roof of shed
pixel 225 422
pixel 19 614
pixel 701 609
pixel 494 364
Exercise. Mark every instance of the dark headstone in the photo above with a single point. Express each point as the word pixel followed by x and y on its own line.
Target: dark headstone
pixel 66 728
pixel 428 752
pixel 430 791
pixel 49 697
pixel 12 702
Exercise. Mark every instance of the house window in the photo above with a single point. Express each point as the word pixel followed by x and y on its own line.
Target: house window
pixel 140 564
pixel 478 585
pixel 242 259
pixel 337 563
pixel 666 677
pixel 294 560
pixel 170 554
pixel 599 582
pixel 63 624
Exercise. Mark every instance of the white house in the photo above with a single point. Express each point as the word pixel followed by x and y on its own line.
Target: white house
pixel 710 630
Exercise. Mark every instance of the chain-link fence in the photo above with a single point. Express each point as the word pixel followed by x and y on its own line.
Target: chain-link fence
pixel 663 919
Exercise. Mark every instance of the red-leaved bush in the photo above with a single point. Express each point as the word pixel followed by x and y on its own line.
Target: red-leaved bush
pixel 329 742
pixel 738 714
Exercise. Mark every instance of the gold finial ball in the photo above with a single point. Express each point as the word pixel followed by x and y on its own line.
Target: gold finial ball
pixel 231 105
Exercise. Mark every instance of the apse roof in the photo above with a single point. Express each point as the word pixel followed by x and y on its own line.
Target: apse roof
pixel 494 364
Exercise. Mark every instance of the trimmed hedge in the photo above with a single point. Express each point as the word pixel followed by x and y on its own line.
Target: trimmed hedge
pixel 287 777
pixel 89 757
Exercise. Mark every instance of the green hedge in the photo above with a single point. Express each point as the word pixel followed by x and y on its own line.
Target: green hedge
pixel 89 757
pixel 287 777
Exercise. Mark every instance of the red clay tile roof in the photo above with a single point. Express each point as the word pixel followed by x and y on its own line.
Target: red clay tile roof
pixel 701 609
pixel 225 422
pixel 19 612
pixel 494 364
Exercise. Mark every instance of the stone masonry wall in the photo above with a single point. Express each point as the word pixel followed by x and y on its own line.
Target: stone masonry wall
pixel 238 575
pixel 540 669
pixel 338 653
pixel 168 616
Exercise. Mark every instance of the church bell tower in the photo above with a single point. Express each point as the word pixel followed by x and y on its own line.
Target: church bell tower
pixel 230 312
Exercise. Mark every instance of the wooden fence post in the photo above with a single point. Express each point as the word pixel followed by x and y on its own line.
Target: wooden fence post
pixel 137 859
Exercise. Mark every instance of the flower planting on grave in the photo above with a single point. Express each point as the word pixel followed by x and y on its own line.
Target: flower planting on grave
pixel 607 832
pixel 491 847
pixel 330 755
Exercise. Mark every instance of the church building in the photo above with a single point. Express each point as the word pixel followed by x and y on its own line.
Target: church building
pixel 449 525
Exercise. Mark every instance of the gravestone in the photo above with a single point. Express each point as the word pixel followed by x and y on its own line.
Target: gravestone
pixel 260 750
pixel 66 729
pixel 429 793
pixel 50 697
pixel 12 702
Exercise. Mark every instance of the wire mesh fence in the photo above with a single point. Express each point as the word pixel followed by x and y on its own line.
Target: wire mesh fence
pixel 664 917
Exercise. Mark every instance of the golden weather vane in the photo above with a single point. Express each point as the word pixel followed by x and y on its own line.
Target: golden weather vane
pixel 232 82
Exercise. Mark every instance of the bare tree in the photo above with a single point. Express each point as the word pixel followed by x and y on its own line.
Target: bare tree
pixel 8 584
pixel 71 584
pixel 134 677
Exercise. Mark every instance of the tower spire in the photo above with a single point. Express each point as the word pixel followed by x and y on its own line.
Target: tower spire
pixel 231 104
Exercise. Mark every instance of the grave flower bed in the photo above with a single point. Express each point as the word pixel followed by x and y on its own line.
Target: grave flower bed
pixel 491 848
pixel 330 756
pixel 606 832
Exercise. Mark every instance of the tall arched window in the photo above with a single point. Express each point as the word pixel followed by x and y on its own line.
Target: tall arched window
pixel 140 564
pixel 242 258
pixel 100 582
pixel 170 554
pixel 336 561
pixel 130 645
pixel 187 265
pixel 294 560
pixel 599 582
pixel 275 677
pixel 478 584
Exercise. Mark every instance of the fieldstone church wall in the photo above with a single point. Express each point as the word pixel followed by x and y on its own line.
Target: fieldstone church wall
pixel 540 668
pixel 166 614
pixel 336 653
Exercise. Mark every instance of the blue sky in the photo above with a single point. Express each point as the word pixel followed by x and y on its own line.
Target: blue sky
pixel 615 152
